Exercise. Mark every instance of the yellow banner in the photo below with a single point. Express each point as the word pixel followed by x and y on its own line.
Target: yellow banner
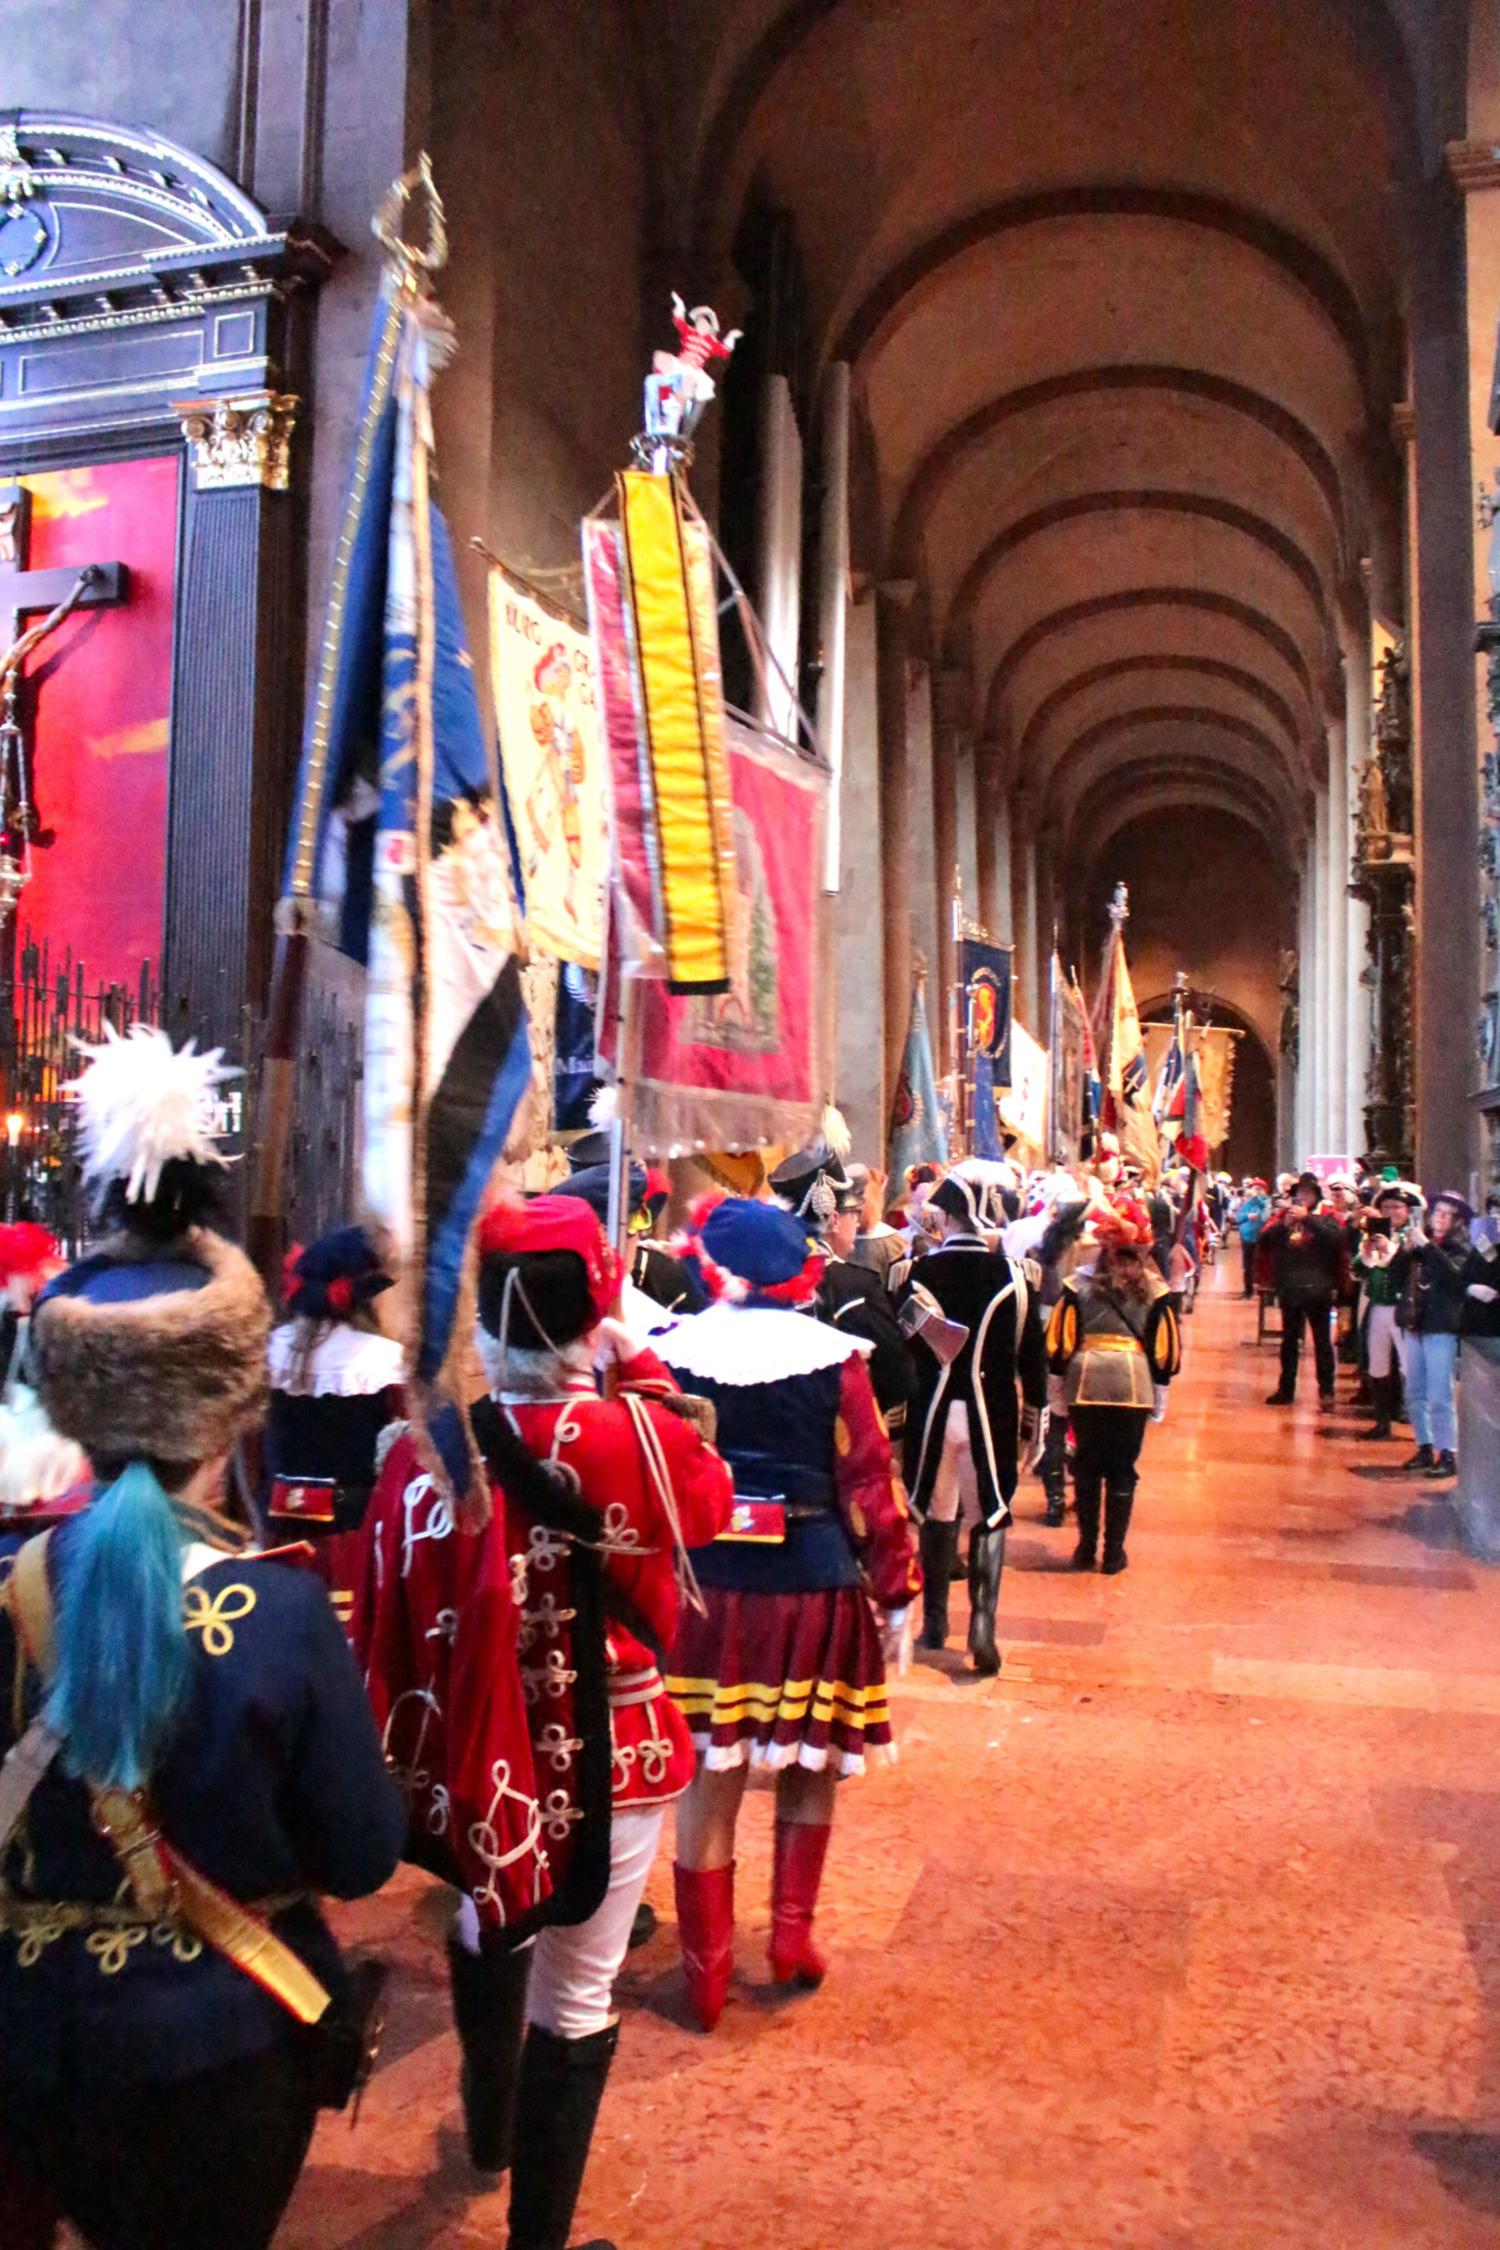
pixel 1214 1047
pixel 548 719
pixel 677 650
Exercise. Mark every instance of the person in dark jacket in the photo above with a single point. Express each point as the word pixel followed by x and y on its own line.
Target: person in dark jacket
pixel 967 1434
pixel 204 1762
pixel 336 1385
pixel 1481 1311
pixel 1430 1275
pixel 650 1265
pixel 1301 1254
pixel 815 1188
pixel 1058 1247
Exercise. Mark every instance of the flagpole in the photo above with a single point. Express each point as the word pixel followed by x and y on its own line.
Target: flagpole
pixel 408 272
pixel 960 1038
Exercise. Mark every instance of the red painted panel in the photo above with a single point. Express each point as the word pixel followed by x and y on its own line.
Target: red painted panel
pixel 102 700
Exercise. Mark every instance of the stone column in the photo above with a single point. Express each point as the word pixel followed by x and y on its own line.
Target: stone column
pixel 1475 166
pixel 1048 861
pixel 1336 928
pixel 948 684
pixel 930 902
pixel 1307 988
pixel 860 919
pixel 893 623
pixel 1316 1020
pixel 1355 634
pixel 994 823
pixel 992 875
pixel 967 793
pixel 234 714
pixel 1444 676
pixel 1025 862
pixel 833 593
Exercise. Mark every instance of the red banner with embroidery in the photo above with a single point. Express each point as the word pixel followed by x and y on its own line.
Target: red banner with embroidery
pixel 742 1068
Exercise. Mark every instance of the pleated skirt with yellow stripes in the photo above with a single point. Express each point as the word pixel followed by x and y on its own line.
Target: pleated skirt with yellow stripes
pixel 783 1680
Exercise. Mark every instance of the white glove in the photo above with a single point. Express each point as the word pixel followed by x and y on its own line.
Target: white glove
pixel 1482 1290
pixel 614 1341
pixel 896 1640
pixel 1034 1420
pixel 1159 1397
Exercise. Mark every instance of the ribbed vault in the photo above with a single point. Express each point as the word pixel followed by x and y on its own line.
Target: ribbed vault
pixel 1123 318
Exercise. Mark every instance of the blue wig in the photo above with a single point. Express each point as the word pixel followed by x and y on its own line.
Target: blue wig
pixel 124 1664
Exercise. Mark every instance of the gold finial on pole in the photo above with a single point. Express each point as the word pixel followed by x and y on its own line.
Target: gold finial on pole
pixel 415 265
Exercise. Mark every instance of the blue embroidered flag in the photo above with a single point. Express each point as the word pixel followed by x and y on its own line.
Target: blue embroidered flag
pixel 984 975
pixel 916 1135
pixel 398 835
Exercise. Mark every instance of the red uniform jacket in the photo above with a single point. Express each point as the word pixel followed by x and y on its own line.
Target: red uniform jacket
pixel 511 1671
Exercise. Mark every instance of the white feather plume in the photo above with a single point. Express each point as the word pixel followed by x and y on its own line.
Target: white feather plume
pixel 837 1138
pixel 604 1108
pixel 143 1102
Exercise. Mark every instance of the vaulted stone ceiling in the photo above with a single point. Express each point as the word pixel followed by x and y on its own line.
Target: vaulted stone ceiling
pixel 1124 314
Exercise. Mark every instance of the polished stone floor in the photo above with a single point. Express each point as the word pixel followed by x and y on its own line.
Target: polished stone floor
pixel 1182 1935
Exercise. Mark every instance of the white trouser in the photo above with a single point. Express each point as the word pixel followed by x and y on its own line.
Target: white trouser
pixel 573 1971
pixel 1381 1341
pixel 955 1490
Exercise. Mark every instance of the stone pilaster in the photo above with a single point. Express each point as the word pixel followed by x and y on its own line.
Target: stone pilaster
pixel 893 626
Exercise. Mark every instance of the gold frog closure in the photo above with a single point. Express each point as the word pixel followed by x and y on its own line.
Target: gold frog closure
pixel 215 1618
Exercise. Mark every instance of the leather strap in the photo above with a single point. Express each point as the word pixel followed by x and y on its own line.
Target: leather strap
pixel 162 1883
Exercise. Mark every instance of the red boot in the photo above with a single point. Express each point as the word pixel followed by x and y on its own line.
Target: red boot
pixel 801 1848
pixel 705 1930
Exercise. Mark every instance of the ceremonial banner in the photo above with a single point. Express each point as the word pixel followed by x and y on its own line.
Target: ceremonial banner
pixel 1068 1054
pixel 547 714
pixel 1213 1051
pixel 984 976
pixel 637 936
pixel 916 1134
pixel 1126 1108
pixel 1023 1111
pixel 397 827
pixel 574 1078
pixel 653 608
pixel 735 1069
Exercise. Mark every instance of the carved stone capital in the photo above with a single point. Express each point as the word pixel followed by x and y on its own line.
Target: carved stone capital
pixel 897 593
pixel 950 696
pixel 241 440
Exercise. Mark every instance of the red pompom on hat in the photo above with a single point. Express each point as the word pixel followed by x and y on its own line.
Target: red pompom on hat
pixel 551 1223
pixel 26 1250
pixel 1127 1226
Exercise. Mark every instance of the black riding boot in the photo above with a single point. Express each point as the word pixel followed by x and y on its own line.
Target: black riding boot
pixel 939 1545
pixel 986 1561
pixel 1119 1499
pixel 1382 1388
pixel 1055 1477
pixel 1087 1487
pixel 562 2085
pixel 489 2014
